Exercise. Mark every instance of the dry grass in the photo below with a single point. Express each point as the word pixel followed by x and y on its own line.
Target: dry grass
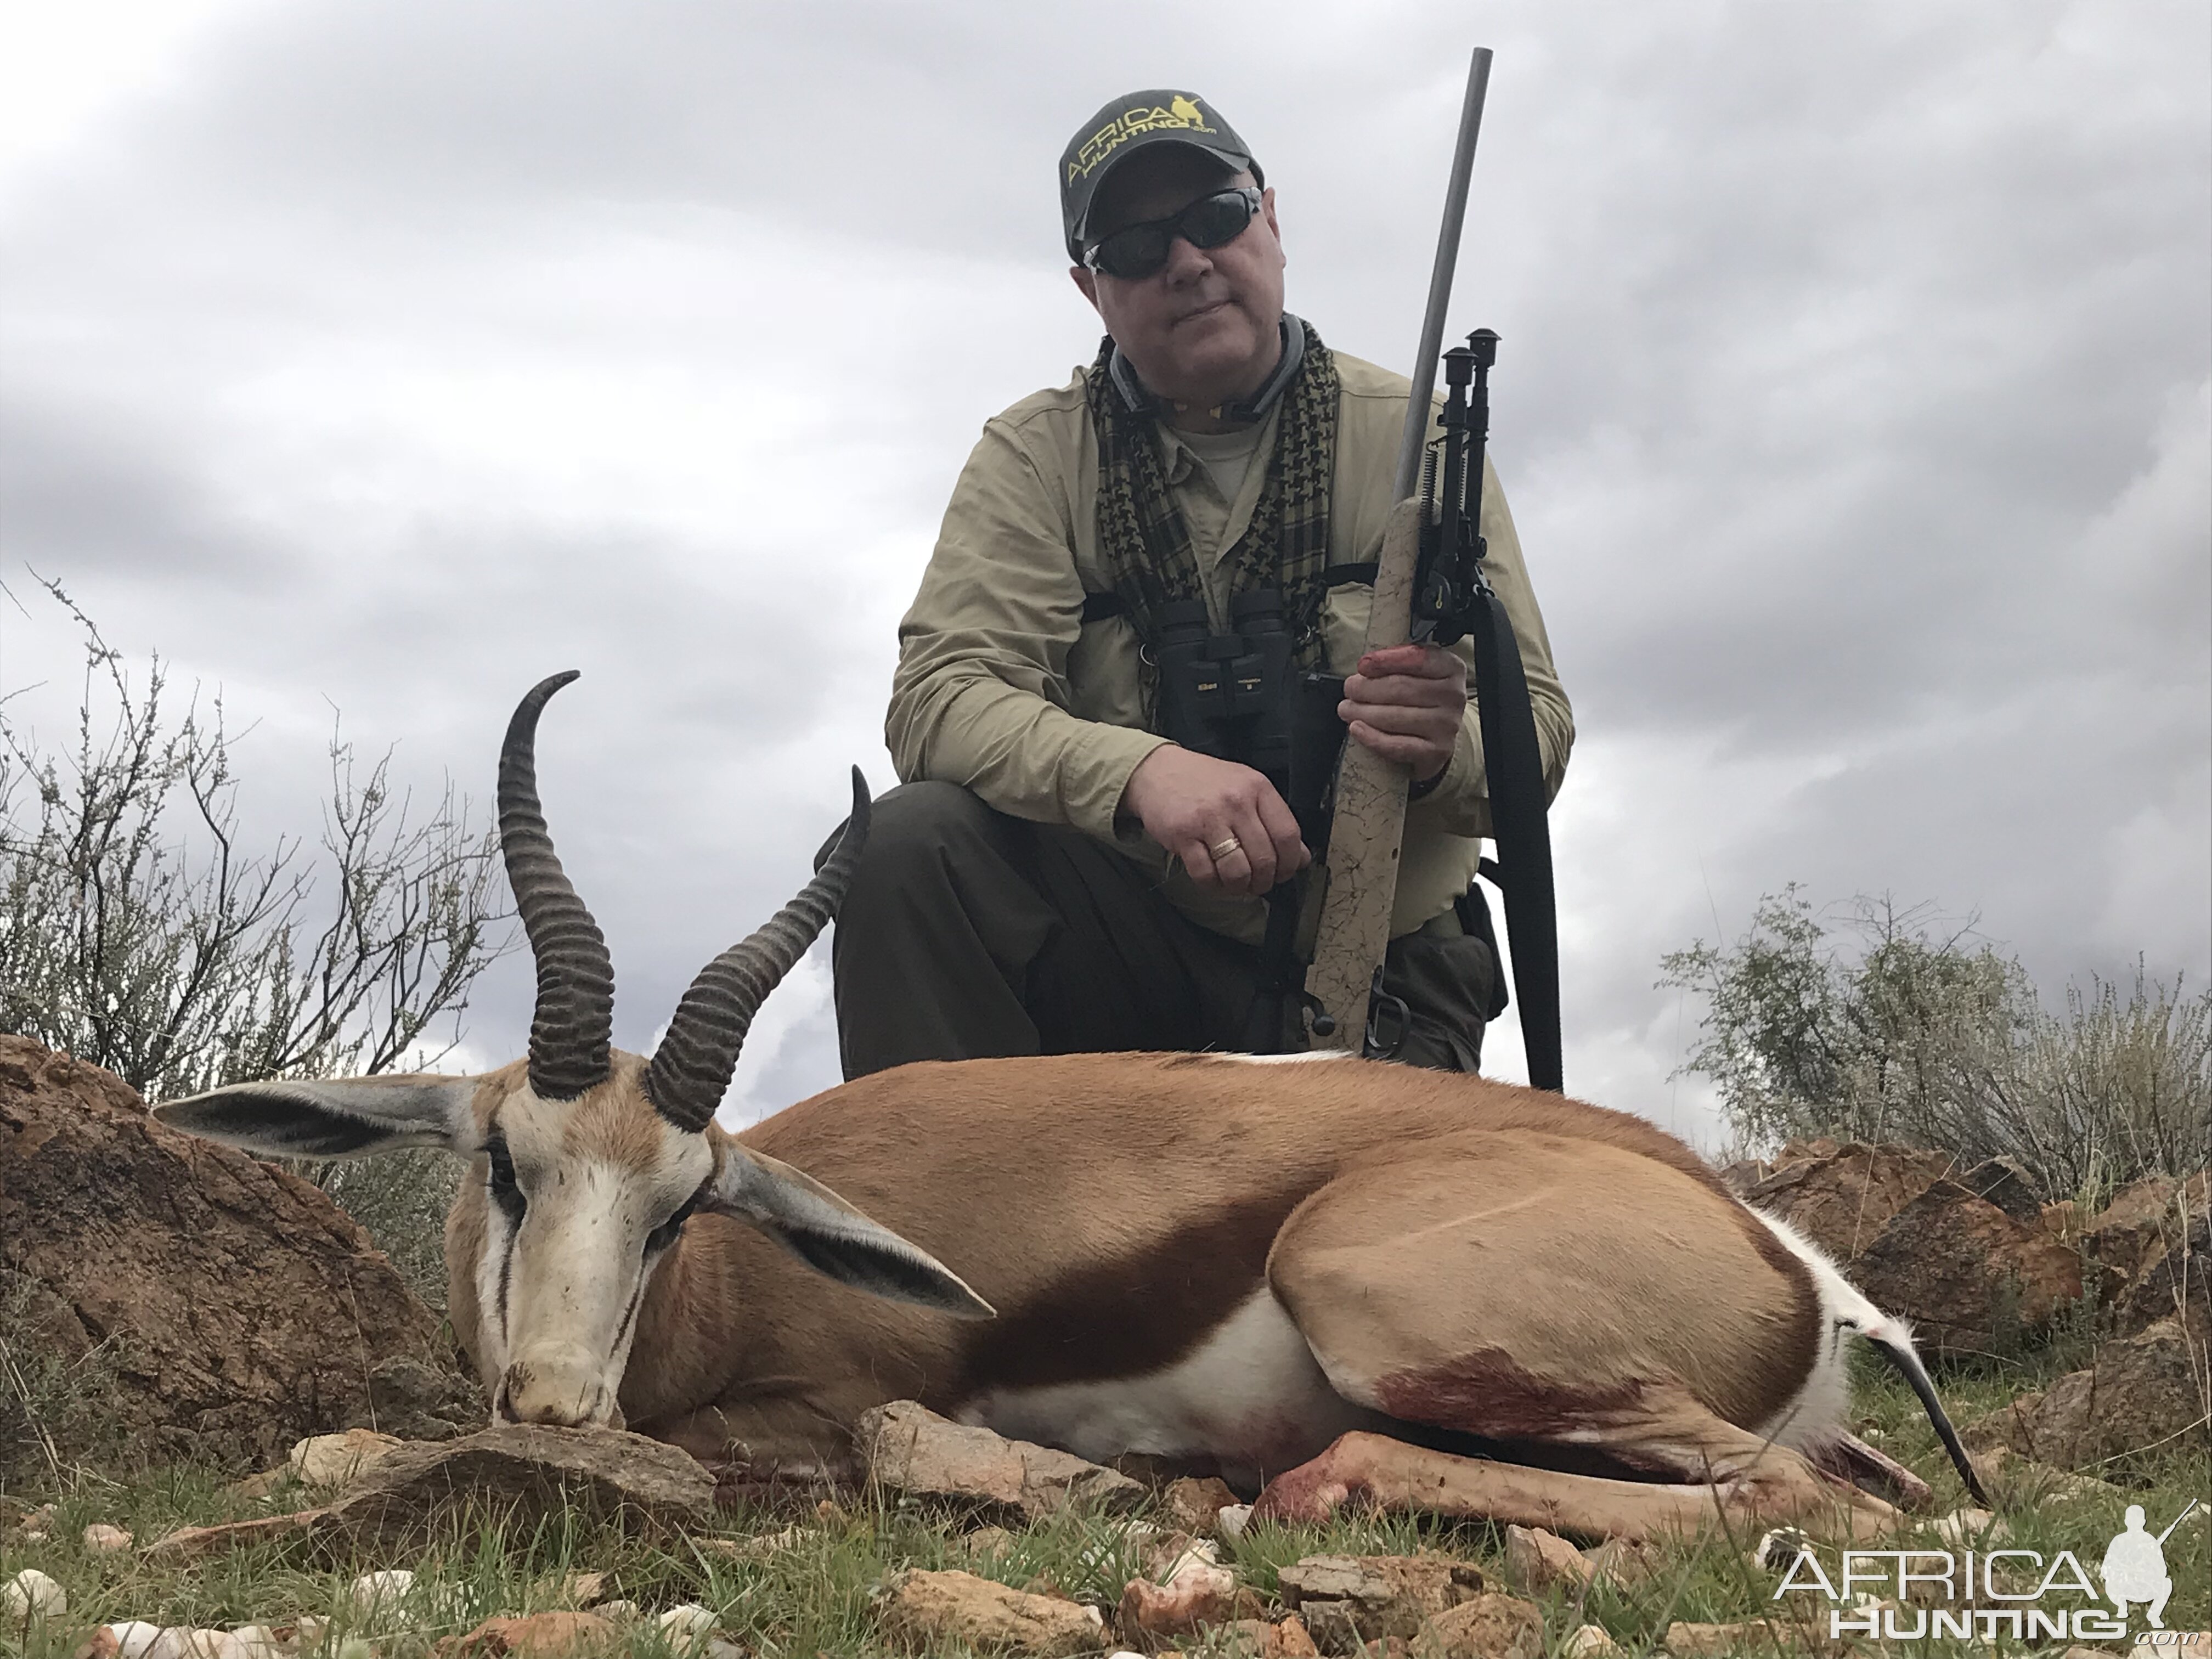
pixel 812 1598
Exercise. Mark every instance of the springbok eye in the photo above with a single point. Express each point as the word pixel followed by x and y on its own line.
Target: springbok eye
pixel 506 1192
pixel 664 1235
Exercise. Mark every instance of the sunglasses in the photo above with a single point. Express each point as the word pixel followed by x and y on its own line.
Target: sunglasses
pixel 1139 250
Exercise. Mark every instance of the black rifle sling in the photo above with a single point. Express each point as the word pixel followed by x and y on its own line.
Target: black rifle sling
pixel 1514 766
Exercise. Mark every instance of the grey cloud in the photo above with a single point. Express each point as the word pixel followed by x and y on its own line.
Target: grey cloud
pixel 1852 408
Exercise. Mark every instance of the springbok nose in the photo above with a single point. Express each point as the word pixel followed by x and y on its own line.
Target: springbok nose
pixel 556 1386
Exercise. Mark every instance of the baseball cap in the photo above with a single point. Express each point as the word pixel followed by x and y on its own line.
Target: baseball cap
pixel 1125 125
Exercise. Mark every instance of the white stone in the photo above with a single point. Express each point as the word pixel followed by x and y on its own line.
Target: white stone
pixel 134 1637
pixel 620 1612
pixel 105 1540
pixel 180 1643
pixel 384 1589
pixel 686 1626
pixel 1232 1522
pixel 308 1630
pixel 31 1594
pixel 259 1642
pixel 1590 1642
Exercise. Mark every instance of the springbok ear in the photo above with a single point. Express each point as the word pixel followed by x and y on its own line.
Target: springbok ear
pixel 832 1237
pixel 332 1117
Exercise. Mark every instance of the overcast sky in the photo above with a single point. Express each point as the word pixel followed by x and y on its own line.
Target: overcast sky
pixel 1855 404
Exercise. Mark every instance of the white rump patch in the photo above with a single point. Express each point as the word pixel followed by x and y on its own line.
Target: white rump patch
pixel 1816 1413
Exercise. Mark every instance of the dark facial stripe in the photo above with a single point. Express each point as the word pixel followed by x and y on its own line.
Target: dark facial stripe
pixel 636 1296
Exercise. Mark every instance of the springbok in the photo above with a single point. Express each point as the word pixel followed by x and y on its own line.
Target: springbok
pixel 1334 1279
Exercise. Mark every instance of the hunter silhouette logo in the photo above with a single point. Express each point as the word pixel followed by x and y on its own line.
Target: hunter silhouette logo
pixel 2134 1568
pixel 1182 111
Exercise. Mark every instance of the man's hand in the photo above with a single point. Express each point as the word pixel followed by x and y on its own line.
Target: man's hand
pixel 1405 703
pixel 1195 807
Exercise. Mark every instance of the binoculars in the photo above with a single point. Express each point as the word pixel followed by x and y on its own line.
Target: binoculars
pixel 1229 695
pixel 1237 697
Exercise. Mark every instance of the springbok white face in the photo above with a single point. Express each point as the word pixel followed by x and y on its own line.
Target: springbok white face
pixel 593 1159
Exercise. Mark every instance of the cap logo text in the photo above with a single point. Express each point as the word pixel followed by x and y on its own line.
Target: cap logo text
pixel 1181 112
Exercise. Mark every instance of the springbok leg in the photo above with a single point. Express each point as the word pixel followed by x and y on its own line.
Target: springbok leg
pixel 1469 1285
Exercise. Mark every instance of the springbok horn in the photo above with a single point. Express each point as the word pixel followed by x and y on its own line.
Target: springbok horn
pixel 692 1066
pixel 575 1015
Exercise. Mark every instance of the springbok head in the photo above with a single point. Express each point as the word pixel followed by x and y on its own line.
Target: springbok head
pixel 592 1159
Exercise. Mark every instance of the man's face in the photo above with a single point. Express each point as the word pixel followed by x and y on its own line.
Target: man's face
pixel 1205 328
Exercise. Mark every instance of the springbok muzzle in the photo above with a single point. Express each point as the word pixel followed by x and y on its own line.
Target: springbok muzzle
pixel 557 1384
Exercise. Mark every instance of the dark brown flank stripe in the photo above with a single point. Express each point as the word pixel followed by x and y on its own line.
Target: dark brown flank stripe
pixel 1133 1315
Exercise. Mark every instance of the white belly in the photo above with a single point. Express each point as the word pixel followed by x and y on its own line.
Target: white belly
pixel 1250 1397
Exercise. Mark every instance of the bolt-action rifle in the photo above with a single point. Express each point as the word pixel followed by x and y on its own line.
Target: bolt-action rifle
pixel 1430 587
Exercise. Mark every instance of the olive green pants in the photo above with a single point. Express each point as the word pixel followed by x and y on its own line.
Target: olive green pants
pixel 968 934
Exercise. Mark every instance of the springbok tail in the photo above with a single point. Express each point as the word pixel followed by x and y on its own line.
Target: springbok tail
pixel 1893 1339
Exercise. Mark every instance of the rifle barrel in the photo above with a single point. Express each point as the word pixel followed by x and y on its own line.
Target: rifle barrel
pixel 1440 279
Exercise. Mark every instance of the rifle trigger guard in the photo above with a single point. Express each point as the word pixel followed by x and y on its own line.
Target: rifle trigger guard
pixel 1389 1020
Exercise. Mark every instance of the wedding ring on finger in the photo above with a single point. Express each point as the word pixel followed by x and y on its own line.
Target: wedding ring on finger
pixel 1222 848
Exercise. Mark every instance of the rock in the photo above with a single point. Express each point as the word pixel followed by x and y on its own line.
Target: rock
pixel 240 1307
pixel 2062 1219
pixel 198 1644
pixel 534 1635
pixel 1197 1594
pixel 2139 1391
pixel 1588 1642
pixel 31 1594
pixel 644 1485
pixel 334 1459
pixel 1230 1522
pixel 909 1449
pixel 1194 1506
pixel 1966 1273
pixel 1489 1627
pixel 1537 1560
pixel 2005 1183
pixel 685 1625
pixel 921 1608
pixel 1746 1173
pixel 2175 1282
pixel 132 1638
pixel 100 1539
pixel 1364 1598
pixel 1842 1197
pixel 1623 1562
pixel 379 1592
pixel 410 1399
pixel 620 1612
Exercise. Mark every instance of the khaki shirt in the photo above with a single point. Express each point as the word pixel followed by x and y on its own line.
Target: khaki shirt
pixel 1003 688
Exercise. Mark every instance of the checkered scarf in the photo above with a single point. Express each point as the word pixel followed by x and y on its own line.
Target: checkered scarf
pixel 1285 547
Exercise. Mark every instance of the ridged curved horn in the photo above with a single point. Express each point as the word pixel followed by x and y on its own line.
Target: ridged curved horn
pixel 575 1015
pixel 692 1066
